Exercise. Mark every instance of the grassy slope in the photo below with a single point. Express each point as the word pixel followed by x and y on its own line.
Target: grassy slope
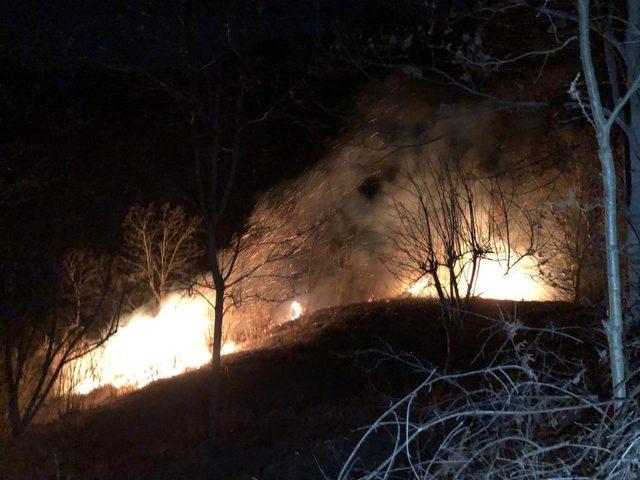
pixel 294 401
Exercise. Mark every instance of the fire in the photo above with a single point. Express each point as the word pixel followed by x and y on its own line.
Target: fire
pixel 228 347
pixel 419 288
pixel 295 310
pixel 147 348
pixel 518 283
pixel 494 280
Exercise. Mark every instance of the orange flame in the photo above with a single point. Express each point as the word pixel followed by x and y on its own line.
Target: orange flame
pixel 295 310
pixel 228 347
pixel 493 280
pixel 148 348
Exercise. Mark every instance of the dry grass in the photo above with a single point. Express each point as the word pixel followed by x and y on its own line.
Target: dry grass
pixel 292 406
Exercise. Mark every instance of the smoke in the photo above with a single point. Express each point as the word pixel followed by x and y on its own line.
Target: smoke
pixel 327 237
pixel 346 199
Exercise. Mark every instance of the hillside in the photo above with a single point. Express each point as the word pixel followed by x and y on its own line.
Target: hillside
pixel 293 402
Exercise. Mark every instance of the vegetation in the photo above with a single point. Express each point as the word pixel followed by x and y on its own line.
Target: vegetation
pixel 161 249
pixel 35 350
pixel 330 371
pixel 439 165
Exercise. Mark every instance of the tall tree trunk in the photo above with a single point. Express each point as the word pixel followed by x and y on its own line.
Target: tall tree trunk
pixel 632 51
pixel 602 125
pixel 12 390
pixel 216 367
pixel 614 325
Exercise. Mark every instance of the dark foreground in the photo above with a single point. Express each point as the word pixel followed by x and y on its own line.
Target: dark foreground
pixel 292 409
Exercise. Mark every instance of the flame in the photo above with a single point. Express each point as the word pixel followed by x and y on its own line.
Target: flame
pixel 228 347
pixel 516 283
pixel 295 310
pixel 493 280
pixel 147 348
pixel 419 288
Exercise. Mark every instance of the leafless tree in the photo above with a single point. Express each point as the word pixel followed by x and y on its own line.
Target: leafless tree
pixel 215 170
pixel 571 255
pixel 210 91
pixel 616 54
pixel 160 247
pixel 603 121
pixel 472 57
pixel 36 350
pixel 242 270
pixel 445 224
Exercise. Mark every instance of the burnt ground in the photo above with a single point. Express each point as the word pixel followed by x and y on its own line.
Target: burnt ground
pixel 292 407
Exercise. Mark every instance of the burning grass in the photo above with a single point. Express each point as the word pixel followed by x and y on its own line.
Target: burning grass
pixel 150 347
pixel 298 394
pixel 176 339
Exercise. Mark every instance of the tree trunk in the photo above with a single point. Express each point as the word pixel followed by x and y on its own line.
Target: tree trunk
pixel 216 367
pixel 614 324
pixel 17 425
pixel 12 389
pixel 632 51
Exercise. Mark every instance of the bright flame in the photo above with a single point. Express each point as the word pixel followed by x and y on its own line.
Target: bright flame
pixel 419 288
pixel 518 283
pixel 493 280
pixel 228 347
pixel 148 348
pixel 295 311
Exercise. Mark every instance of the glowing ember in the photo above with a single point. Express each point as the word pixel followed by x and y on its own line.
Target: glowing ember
pixel 228 347
pixel 295 311
pixel 148 348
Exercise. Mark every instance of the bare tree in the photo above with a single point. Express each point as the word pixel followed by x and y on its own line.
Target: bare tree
pixel 215 175
pixel 36 350
pixel 470 58
pixel 571 255
pixel 618 25
pixel 161 247
pixel 603 122
pixel 444 225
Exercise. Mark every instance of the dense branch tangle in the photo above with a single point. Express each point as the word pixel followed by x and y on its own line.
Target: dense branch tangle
pixel 161 247
pixel 445 223
pixel 37 351
pixel 528 414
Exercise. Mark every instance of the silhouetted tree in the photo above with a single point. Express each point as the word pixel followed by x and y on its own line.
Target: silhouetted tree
pixel 160 248
pixel 37 344
pixel 444 224
pixel 603 122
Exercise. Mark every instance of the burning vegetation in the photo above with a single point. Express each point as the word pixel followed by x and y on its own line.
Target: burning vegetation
pixel 438 224
pixel 419 215
pixel 445 227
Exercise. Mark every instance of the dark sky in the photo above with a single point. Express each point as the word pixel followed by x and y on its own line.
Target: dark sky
pixel 82 109
pixel 92 97
pixel 97 97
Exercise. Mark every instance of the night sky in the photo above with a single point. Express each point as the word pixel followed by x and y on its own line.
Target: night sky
pixel 94 95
